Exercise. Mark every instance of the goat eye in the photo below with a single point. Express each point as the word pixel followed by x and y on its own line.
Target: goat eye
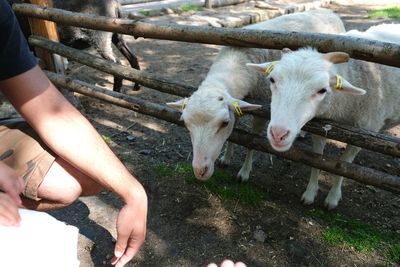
pixel 224 124
pixel 272 80
pixel 322 91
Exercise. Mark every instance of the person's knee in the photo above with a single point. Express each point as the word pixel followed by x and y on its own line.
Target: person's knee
pixel 68 195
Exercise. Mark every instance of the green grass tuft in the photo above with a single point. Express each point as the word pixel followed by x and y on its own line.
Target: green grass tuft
pixel 391 12
pixel 393 253
pixel 106 138
pixel 187 8
pixel 144 12
pixel 221 183
pixel 359 235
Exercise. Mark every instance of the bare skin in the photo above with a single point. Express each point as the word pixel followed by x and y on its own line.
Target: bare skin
pixel 85 162
pixel 228 263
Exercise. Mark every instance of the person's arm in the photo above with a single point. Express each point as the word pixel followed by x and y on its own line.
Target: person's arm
pixel 70 135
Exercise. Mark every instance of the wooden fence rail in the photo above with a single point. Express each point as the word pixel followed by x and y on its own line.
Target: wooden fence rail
pixel 297 153
pixel 362 138
pixel 359 48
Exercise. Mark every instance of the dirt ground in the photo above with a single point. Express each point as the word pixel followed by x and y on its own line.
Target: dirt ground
pixel 189 224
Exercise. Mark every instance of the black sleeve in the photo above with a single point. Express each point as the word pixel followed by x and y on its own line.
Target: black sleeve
pixel 15 56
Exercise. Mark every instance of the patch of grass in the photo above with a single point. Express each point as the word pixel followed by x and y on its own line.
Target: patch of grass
pixel 106 138
pixel 359 235
pixel 125 158
pixel 144 12
pixel 163 169
pixel 393 253
pixel 221 183
pixel 187 8
pixel 391 12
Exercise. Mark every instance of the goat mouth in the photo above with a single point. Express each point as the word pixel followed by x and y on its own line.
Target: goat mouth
pixel 204 176
pixel 281 147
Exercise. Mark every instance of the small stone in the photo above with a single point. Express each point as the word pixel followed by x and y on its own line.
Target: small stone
pixel 130 138
pixel 167 10
pixel 259 235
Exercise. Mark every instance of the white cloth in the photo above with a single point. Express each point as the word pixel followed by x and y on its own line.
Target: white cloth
pixel 39 241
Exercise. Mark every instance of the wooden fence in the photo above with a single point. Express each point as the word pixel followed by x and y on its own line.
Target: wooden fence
pixel 375 51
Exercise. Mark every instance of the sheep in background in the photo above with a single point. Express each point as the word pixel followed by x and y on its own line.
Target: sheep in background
pixel 209 113
pixel 389 33
pixel 304 85
pixel 83 38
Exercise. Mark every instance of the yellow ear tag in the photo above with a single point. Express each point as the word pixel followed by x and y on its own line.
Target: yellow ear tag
pixel 237 108
pixel 339 82
pixel 270 67
pixel 184 104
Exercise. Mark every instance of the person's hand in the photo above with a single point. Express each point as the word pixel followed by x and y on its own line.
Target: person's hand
pixel 10 187
pixel 131 229
pixel 228 263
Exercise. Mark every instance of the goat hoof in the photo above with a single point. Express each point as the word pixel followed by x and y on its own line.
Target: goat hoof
pixel 332 200
pixel 241 178
pixel 330 205
pixel 307 199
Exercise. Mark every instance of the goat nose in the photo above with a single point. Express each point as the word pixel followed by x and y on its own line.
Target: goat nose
pixel 279 134
pixel 200 172
pixel 204 171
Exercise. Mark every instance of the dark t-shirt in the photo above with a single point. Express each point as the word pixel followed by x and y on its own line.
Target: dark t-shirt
pixel 15 56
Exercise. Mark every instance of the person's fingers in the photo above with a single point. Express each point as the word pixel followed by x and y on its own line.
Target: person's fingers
pixel 227 263
pixel 9 214
pixel 212 265
pixel 21 183
pixel 121 244
pixel 240 264
pixel 11 184
pixel 128 255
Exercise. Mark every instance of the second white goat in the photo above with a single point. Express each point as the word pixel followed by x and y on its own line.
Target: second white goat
pixel 307 84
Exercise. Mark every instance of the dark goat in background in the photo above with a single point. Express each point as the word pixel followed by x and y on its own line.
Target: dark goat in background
pixel 83 38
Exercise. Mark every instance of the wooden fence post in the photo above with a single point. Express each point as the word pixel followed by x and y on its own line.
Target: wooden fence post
pixel 208 3
pixel 46 29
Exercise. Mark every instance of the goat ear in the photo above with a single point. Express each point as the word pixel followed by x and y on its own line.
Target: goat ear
pixel 286 50
pixel 177 104
pixel 340 84
pixel 336 57
pixel 243 105
pixel 262 67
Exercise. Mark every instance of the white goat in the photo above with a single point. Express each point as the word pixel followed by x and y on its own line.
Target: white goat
pixel 383 32
pixel 304 84
pixel 209 112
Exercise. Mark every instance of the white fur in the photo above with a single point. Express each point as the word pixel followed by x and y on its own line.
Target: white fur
pixel 228 80
pixel 383 32
pixel 300 75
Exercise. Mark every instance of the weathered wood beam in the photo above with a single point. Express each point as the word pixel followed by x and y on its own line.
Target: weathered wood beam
pixel 133 2
pixel 348 134
pixel 297 153
pixel 359 48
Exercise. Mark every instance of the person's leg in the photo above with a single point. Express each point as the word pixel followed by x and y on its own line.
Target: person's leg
pixel 61 186
pixel 50 182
